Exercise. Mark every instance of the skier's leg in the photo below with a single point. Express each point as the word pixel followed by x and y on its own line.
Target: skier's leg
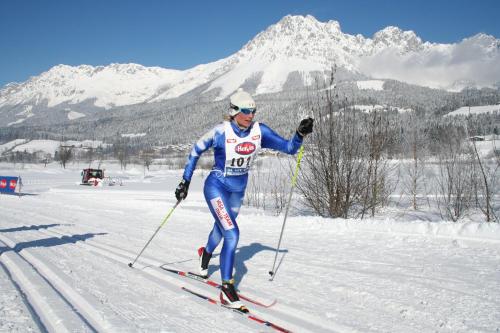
pixel 231 233
pixel 225 206
pixel 220 204
pixel 228 295
pixel 235 202
pixel 205 253
pixel 231 238
pixel 214 238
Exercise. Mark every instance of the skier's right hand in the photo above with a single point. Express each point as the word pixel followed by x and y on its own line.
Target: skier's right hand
pixel 181 191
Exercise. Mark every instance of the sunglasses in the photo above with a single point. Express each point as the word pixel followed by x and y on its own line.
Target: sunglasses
pixel 244 110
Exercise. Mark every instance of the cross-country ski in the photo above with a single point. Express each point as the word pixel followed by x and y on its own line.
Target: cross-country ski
pixel 245 313
pixel 216 285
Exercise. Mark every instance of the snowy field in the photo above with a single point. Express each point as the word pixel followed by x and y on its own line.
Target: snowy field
pixel 65 248
pixel 465 110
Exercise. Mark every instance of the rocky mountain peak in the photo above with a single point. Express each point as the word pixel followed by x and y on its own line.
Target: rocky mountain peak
pixel 287 54
pixel 394 37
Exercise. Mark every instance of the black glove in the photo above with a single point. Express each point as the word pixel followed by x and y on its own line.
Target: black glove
pixel 181 191
pixel 305 127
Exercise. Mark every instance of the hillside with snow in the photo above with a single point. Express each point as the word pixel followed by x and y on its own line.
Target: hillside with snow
pixel 47 146
pixel 475 110
pixel 291 53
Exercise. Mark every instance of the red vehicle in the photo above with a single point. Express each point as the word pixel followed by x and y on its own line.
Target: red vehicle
pixel 92 176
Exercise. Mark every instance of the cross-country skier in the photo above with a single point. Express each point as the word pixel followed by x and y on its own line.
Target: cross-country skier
pixel 236 142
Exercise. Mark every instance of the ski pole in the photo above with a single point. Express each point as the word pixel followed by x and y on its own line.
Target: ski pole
pixel 294 181
pixel 157 229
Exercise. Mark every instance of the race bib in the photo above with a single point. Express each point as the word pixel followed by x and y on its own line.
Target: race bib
pixel 240 152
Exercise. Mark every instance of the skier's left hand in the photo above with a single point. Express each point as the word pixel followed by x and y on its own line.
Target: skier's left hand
pixel 305 127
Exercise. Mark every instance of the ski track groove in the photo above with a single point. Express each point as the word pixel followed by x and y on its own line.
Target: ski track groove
pixel 284 315
pixel 25 300
pixel 132 316
pixel 113 248
pixel 55 314
pixel 155 276
pixel 349 284
pixel 151 269
pixel 78 303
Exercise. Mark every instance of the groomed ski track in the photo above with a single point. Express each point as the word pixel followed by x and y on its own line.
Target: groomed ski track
pixel 65 250
pixel 87 317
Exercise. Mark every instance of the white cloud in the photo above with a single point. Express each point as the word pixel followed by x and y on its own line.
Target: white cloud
pixel 476 59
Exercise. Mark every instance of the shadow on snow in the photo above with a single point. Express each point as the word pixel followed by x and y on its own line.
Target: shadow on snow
pixel 33 227
pixel 49 242
pixel 244 254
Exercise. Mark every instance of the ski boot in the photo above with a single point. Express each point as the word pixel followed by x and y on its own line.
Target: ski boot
pixel 229 298
pixel 203 262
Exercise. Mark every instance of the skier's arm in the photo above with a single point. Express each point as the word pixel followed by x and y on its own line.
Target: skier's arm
pixel 201 146
pixel 270 139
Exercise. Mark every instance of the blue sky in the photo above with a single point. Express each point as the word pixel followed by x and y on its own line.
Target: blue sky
pixel 36 35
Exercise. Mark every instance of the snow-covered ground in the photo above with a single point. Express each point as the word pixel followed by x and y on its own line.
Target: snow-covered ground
pixel 12 144
pixel 72 115
pixel 371 108
pixel 47 146
pixel 488 147
pixel 465 110
pixel 370 84
pixel 65 248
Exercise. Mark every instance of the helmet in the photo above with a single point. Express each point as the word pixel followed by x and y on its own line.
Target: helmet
pixel 241 101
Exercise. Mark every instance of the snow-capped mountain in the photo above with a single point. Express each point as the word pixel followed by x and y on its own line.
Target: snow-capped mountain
pixel 113 85
pixel 290 53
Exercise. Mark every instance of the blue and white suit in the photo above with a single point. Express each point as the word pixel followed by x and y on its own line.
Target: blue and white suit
pixel 224 192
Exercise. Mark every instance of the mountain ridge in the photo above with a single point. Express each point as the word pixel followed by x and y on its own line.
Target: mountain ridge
pixel 295 44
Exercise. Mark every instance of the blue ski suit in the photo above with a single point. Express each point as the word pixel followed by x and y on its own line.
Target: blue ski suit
pixel 223 192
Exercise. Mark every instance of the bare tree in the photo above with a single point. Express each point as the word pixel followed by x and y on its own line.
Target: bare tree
pixel 268 183
pixel 147 157
pixel 122 153
pixel 100 156
pixel 414 140
pixel 334 172
pixel 482 184
pixel 280 186
pixel 455 176
pixel 256 194
pixel 376 186
pixel 65 154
